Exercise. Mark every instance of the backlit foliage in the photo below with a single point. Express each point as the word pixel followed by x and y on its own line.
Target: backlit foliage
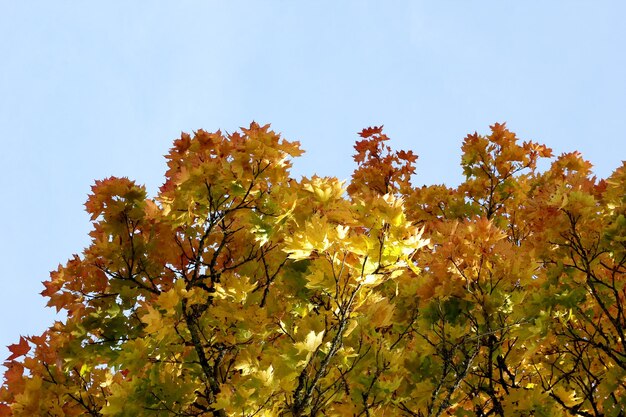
pixel 241 291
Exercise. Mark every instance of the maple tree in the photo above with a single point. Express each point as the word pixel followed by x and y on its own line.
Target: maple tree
pixel 241 291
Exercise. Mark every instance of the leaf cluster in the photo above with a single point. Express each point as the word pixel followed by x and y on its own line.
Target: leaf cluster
pixel 241 291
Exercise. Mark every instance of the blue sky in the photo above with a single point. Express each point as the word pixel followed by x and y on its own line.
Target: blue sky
pixel 89 90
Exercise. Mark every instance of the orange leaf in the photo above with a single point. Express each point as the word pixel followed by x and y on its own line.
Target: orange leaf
pixel 18 349
pixel 5 410
pixel 370 131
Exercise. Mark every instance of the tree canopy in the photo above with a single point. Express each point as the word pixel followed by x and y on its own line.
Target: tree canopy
pixel 241 291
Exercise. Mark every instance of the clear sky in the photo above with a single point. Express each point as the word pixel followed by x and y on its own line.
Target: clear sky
pixel 93 89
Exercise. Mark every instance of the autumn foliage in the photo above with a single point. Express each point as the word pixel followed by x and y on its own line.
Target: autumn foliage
pixel 241 291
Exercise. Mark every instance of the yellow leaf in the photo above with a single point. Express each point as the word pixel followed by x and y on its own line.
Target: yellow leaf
pixel 312 341
pixel 84 369
pixel 266 376
pixel 169 299
pixel 372 279
pixel 152 319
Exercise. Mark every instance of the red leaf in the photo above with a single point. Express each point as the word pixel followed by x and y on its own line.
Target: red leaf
pixel 18 349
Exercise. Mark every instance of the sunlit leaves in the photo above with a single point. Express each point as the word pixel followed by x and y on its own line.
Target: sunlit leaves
pixel 241 291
